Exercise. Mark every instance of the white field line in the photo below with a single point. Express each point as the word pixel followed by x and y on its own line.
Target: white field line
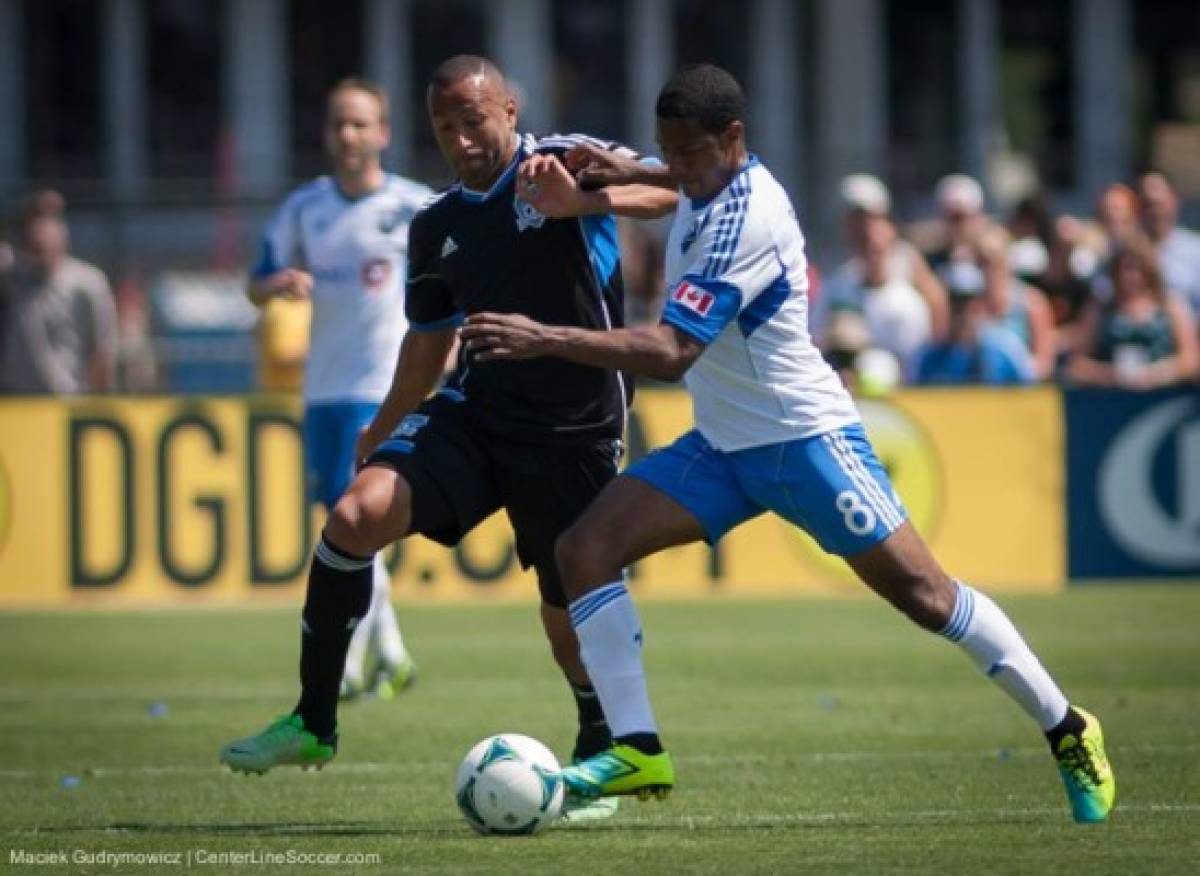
pixel 417 766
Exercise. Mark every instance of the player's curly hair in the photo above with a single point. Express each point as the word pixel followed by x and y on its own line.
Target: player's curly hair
pixel 703 92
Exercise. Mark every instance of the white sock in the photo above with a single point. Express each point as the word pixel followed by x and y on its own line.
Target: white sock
pixel 388 640
pixel 984 631
pixel 359 641
pixel 610 643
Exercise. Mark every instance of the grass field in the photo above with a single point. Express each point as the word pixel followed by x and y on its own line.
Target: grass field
pixel 813 735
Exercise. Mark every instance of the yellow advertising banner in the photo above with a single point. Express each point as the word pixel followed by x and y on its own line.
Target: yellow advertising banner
pixel 170 500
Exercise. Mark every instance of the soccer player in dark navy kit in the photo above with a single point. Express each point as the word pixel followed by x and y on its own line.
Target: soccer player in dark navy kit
pixel 537 438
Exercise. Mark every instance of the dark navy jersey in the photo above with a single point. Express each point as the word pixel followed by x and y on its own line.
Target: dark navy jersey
pixel 490 251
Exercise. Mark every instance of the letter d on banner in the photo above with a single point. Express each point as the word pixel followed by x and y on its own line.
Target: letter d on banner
pixel 93 507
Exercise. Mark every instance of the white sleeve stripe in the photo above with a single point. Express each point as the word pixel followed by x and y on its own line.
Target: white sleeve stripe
pixel 728 231
pixel 732 245
pixel 572 140
pixel 737 208
pixel 719 233
pixel 567 141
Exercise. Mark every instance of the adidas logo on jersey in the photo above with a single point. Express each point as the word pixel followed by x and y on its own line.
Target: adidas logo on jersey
pixel 693 298
pixel 449 247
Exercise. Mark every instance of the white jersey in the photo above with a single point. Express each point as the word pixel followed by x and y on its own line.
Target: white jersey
pixel 356 250
pixel 736 280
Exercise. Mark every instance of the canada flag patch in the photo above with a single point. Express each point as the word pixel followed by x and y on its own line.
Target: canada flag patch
pixel 693 298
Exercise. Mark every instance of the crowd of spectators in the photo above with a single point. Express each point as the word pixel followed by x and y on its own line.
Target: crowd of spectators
pixel 968 298
pixel 965 297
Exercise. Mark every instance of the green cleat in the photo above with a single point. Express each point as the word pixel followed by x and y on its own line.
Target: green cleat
pixel 1085 771
pixel 389 679
pixel 284 743
pixel 621 770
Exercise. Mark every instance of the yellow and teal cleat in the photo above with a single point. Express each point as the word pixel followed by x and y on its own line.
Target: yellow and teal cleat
pixel 1085 771
pixel 621 770
pixel 284 743
pixel 389 679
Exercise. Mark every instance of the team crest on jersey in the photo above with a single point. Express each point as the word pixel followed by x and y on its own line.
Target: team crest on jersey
pixel 693 298
pixel 527 215
pixel 375 272
pixel 410 426
pixel 390 220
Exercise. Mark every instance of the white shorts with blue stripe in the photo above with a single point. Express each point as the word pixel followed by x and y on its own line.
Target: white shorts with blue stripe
pixel 831 485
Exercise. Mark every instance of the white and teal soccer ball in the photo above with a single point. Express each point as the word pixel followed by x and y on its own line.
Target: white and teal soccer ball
pixel 509 785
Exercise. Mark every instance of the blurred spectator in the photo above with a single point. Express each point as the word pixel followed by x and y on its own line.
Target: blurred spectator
pixel 1178 248
pixel 865 370
pixel 1117 215
pixel 6 251
pixel 1141 338
pixel 1032 229
pixel 978 350
pixel 57 316
pixel 875 286
pixel 961 219
pixel 881 261
pixel 1070 269
pixel 1015 305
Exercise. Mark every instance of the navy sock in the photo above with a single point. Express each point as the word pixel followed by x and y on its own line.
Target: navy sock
pixel 339 595
pixel 594 735
pixel 1072 725
pixel 646 743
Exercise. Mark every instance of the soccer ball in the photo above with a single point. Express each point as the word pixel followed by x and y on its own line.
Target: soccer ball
pixel 509 785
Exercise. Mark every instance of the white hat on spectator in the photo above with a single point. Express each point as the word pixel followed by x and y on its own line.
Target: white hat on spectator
pixel 861 191
pixel 959 193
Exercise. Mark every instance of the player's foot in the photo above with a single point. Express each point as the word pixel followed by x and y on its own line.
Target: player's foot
pixel 285 742
pixel 389 677
pixel 1085 771
pixel 577 810
pixel 621 769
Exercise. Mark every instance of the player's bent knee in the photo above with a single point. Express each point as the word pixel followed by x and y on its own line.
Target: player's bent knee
pixel 582 562
pixel 356 525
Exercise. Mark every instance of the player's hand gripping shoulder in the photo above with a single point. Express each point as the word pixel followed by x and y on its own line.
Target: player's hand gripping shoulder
pixel 596 168
pixel 549 186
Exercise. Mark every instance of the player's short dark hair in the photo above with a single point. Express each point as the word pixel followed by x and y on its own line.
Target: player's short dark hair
pixel 459 67
pixel 703 92
pixel 357 83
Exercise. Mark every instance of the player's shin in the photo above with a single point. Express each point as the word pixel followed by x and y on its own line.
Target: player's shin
pixel 983 630
pixel 610 643
pixel 339 594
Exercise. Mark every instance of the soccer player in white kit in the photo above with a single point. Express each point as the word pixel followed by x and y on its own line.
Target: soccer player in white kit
pixel 775 431
pixel 342 240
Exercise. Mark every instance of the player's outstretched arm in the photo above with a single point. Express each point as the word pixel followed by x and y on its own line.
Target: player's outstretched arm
pixel 549 186
pixel 418 367
pixel 662 351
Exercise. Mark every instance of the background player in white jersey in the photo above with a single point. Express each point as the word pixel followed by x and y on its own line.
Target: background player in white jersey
pixel 342 240
pixel 775 431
